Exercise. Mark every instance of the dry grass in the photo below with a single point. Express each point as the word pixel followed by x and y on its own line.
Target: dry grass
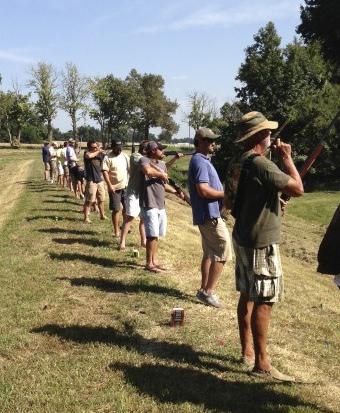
pixel 85 329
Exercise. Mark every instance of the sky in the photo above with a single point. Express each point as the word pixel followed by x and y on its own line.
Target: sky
pixel 194 44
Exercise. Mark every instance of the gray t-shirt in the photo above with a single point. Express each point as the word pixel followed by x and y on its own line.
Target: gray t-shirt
pixel 152 193
pixel 136 177
pixel 258 221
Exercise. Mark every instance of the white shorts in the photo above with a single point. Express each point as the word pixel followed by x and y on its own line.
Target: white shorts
pixel 132 207
pixel 155 222
pixel 60 170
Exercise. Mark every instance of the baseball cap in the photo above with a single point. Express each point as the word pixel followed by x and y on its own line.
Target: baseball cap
pixel 150 146
pixel 206 133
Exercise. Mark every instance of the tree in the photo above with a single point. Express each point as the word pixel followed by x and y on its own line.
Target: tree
pixel 15 112
pixel 320 21
pixel 202 110
pixel 75 90
pixel 44 85
pixel 116 101
pixel 287 83
pixel 154 109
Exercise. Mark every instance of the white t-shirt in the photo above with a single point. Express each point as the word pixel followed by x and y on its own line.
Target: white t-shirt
pixel 118 169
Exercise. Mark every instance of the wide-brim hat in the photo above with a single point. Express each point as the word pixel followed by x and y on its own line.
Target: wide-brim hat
pixel 253 122
pixel 206 133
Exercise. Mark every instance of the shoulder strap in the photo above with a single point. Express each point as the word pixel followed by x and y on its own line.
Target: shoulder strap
pixel 240 193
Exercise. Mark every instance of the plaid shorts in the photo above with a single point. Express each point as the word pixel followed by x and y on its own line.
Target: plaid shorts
pixel 258 273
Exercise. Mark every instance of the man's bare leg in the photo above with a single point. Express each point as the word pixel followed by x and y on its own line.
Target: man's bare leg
pixel 101 210
pixel 151 251
pixel 260 320
pixel 215 271
pixel 115 223
pixel 244 313
pixel 205 267
pixel 142 233
pixel 87 206
pixel 125 230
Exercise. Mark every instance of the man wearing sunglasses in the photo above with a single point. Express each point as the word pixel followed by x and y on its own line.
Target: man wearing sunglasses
pixel 206 196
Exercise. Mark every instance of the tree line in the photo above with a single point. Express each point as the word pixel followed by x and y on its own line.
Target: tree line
pixel 297 85
pixel 122 107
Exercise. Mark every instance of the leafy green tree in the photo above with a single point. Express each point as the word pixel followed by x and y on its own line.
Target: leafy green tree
pixel 320 21
pixel 15 112
pixel 44 85
pixel 75 90
pixel 116 102
pixel 291 83
pixel 202 110
pixel 154 109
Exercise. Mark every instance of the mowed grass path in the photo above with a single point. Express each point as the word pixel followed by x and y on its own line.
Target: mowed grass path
pixel 85 329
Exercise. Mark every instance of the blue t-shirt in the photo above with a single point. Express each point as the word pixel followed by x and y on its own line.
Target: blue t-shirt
pixel 202 171
pixel 45 154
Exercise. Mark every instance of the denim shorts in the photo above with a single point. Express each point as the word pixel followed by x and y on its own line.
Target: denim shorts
pixel 155 222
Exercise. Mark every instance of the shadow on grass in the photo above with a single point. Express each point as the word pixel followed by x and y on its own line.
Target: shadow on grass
pixel 53 218
pixel 60 201
pixel 66 231
pixel 132 341
pixel 89 242
pixel 177 385
pixel 112 286
pixel 104 262
pixel 64 196
pixel 58 210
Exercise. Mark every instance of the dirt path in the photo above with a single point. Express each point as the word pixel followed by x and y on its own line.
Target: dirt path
pixel 12 186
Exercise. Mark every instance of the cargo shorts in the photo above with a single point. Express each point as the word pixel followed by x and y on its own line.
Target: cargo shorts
pixel 258 273
pixel 216 242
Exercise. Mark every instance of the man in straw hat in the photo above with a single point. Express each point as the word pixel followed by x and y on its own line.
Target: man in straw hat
pixel 256 236
pixel 206 196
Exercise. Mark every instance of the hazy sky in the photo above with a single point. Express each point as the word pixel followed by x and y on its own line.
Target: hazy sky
pixel 194 44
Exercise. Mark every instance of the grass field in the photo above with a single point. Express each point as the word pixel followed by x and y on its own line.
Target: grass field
pixel 84 328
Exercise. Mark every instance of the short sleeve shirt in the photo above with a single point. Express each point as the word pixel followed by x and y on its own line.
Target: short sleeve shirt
pixel 93 168
pixel 201 170
pixel 259 219
pixel 117 167
pixel 45 153
pixel 152 193
pixel 135 180
pixel 71 156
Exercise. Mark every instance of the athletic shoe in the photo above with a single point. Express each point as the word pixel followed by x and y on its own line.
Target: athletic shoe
pixel 273 373
pixel 199 294
pixel 209 299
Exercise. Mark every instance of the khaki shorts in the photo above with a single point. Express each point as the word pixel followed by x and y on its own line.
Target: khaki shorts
pixel 216 242
pixel 94 191
pixel 66 170
pixel 47 166
pixel 258 273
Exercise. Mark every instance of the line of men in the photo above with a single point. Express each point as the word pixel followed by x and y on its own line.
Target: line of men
pixel 251 193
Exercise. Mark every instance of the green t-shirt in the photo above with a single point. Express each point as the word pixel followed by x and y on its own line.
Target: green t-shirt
pixel 258 220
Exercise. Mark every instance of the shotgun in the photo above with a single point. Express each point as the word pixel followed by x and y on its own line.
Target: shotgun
pixel 174 184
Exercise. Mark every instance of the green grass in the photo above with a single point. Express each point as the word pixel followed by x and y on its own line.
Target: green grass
pixel 316 207
pixel 85 329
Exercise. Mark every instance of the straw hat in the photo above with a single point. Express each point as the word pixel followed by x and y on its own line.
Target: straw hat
pixel 253 122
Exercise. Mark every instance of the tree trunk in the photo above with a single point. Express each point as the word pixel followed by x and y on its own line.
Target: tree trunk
pixel 146 131
pixel 74 126
pixel 9 131
pixel 49 130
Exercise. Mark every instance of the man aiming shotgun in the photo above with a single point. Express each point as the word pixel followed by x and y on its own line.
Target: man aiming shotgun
pixel 256 236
